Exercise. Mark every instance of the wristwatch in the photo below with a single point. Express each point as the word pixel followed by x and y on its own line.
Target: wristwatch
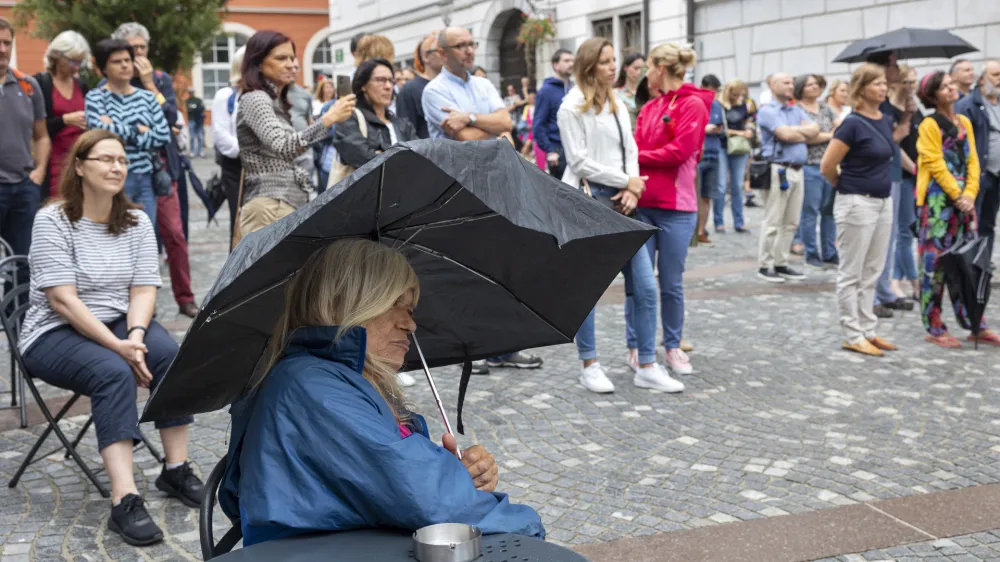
pixel 472 119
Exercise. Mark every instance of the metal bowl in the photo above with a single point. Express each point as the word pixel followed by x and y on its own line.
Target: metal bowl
pixel 448 542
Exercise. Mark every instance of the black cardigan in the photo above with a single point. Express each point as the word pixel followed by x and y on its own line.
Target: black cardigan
pixel 356 150
pixel 53 123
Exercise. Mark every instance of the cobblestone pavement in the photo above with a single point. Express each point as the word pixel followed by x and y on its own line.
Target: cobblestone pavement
pixel 775 421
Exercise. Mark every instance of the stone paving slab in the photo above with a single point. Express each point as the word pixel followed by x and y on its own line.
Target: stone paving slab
pixel 776 420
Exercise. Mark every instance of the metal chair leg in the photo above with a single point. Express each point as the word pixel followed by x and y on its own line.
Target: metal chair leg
pixel 79 436
pixel 24 401
pixel 40 442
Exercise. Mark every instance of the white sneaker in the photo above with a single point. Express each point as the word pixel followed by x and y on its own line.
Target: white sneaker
pixel 405 379
pixel 656 378
pixel 679 362
pixel 593 379
pixel 633 359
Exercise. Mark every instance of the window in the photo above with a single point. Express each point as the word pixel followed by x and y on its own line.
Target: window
pixel 604 28
pixel 631 33
pixel 322 62
pixel 215 62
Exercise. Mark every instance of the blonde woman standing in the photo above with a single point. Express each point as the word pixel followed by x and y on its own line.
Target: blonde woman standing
pixel 602 158
pixel 857 162
pixel 837 99
pixel 735 153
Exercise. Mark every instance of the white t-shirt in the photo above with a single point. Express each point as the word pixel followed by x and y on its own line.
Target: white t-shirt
pixel 392 133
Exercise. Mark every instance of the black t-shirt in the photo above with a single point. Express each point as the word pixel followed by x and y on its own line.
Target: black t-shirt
pixel 736 117
pixel 195 110
pixel 408 105
pixel 865 169
pixel 909 144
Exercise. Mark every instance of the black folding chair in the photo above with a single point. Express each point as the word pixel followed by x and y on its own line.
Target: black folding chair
pixel 9 278
pixel 209 548
pixel 13 307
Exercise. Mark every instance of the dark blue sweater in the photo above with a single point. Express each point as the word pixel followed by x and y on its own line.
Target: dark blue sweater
pixel 545 128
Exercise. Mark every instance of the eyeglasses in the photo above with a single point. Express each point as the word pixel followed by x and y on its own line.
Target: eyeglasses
pixel 74 63
pixel 110 160
pixel 381 80
pixel 462 46
pixel 909 82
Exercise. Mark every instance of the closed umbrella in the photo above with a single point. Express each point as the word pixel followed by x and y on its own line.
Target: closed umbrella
pixel 507 256
pixel 908 43
pixel 967 273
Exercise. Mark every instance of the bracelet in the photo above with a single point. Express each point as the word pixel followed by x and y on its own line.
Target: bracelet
pixel 134 328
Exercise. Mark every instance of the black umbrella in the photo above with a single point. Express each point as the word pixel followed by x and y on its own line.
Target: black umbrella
pixel 508 258
pixel 211 198
pixel 908 43
pixel 967 272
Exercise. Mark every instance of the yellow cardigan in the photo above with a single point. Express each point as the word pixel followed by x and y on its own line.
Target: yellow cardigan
pixel 931 164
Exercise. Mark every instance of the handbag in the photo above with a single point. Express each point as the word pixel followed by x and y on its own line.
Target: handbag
pixel 607 201
pixel 737 146
pixel 760 174
pixel 162 182
pixel 339 170
pixel 237 230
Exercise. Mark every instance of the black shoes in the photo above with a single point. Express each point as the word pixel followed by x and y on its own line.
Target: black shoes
pixel 519 360
pixel 131 520
pixel 882 311
pixel 767 275
pixel 786 272
pixel 901 304
pixel 182 484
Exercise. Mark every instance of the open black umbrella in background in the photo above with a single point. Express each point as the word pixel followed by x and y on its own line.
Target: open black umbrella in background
pixel 508 258
pixel 908 43
pixel 967 273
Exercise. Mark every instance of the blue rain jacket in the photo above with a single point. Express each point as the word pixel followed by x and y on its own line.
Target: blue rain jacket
pixel 318 449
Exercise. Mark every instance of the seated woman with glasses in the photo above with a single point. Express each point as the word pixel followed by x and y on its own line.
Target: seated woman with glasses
pixel 63 91
pixel 90 327
pixel 325 442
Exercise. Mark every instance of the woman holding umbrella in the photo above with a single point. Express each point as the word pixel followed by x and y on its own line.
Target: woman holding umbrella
pixel 326 443
pixel 602 159
pixel 947 185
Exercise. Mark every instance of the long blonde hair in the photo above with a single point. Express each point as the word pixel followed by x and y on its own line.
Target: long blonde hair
pixel 347 284
pixel 862 77
pixel 731 86
pixel 587 57
pixel 676 58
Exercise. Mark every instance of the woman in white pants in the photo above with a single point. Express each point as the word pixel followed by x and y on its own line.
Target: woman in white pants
pixel 857 162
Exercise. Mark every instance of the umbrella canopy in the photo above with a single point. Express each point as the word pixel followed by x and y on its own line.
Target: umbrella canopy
pixel 908 43
pixel 967 273
pixel 508 258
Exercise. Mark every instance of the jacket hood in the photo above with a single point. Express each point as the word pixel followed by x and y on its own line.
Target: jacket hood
pixel 322 341
pixel 554 82
pixel 690 90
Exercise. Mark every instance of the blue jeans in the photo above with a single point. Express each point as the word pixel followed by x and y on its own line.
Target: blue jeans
pixel 817 190
pixel 197 132
pixel 905 265
pixel 732 169
pixel 642 301
pixel 139 189
pixel 676 229
pixel 708 178
pixel 883 292
pixel 18 204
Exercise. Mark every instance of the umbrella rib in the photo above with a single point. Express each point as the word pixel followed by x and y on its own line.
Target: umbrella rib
pixel 216 314
pixel 378 203
pixel 439 255
pixel 430 208
pixel 440 224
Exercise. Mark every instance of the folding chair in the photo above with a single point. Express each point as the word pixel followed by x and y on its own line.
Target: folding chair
pixel 209 548
pixel 9 279
pixel 13 307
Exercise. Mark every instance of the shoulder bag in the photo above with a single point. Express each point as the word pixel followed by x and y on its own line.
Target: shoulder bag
pixel 737 146
pixel 339 170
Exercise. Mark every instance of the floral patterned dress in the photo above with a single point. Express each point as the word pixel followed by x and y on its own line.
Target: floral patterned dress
pixel 941 224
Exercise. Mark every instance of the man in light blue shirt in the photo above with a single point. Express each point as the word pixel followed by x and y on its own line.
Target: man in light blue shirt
pixel 784 131
pixel 458 105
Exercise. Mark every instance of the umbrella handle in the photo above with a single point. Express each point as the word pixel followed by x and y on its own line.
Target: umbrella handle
pixel 434 390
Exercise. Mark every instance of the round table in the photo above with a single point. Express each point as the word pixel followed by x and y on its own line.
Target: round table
pixel 392 546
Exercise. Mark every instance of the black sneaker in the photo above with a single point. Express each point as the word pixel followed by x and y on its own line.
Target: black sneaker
pixel 813 262
pixel 519 360
pixel 882 311
pixel 182 484
pixel 480 367
pixel 900 304
pixel 769 276
pixel 131 520
pixel 786 272
pixel 832 263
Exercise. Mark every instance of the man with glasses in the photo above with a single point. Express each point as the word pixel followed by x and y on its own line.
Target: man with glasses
pixel 22 112
pixel 428 62
pixel 458 105
pixel 982 107
pixel 169 217
pixel 464 107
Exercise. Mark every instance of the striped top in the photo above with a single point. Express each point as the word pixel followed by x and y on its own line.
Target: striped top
pixel 269 146
pixel 103 267
pixel 126 112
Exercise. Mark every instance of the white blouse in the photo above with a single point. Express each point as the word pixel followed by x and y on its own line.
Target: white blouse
pixel 592 144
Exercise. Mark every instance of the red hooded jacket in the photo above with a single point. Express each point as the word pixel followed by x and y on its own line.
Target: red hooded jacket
pixel 669 149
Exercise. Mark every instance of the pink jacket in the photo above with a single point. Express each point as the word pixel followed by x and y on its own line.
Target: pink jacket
pixel 670 132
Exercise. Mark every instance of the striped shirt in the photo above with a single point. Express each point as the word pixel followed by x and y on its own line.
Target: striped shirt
pixel 103 267
pixel 126 113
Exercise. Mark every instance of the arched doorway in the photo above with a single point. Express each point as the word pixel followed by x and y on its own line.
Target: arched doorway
pixel 512 64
